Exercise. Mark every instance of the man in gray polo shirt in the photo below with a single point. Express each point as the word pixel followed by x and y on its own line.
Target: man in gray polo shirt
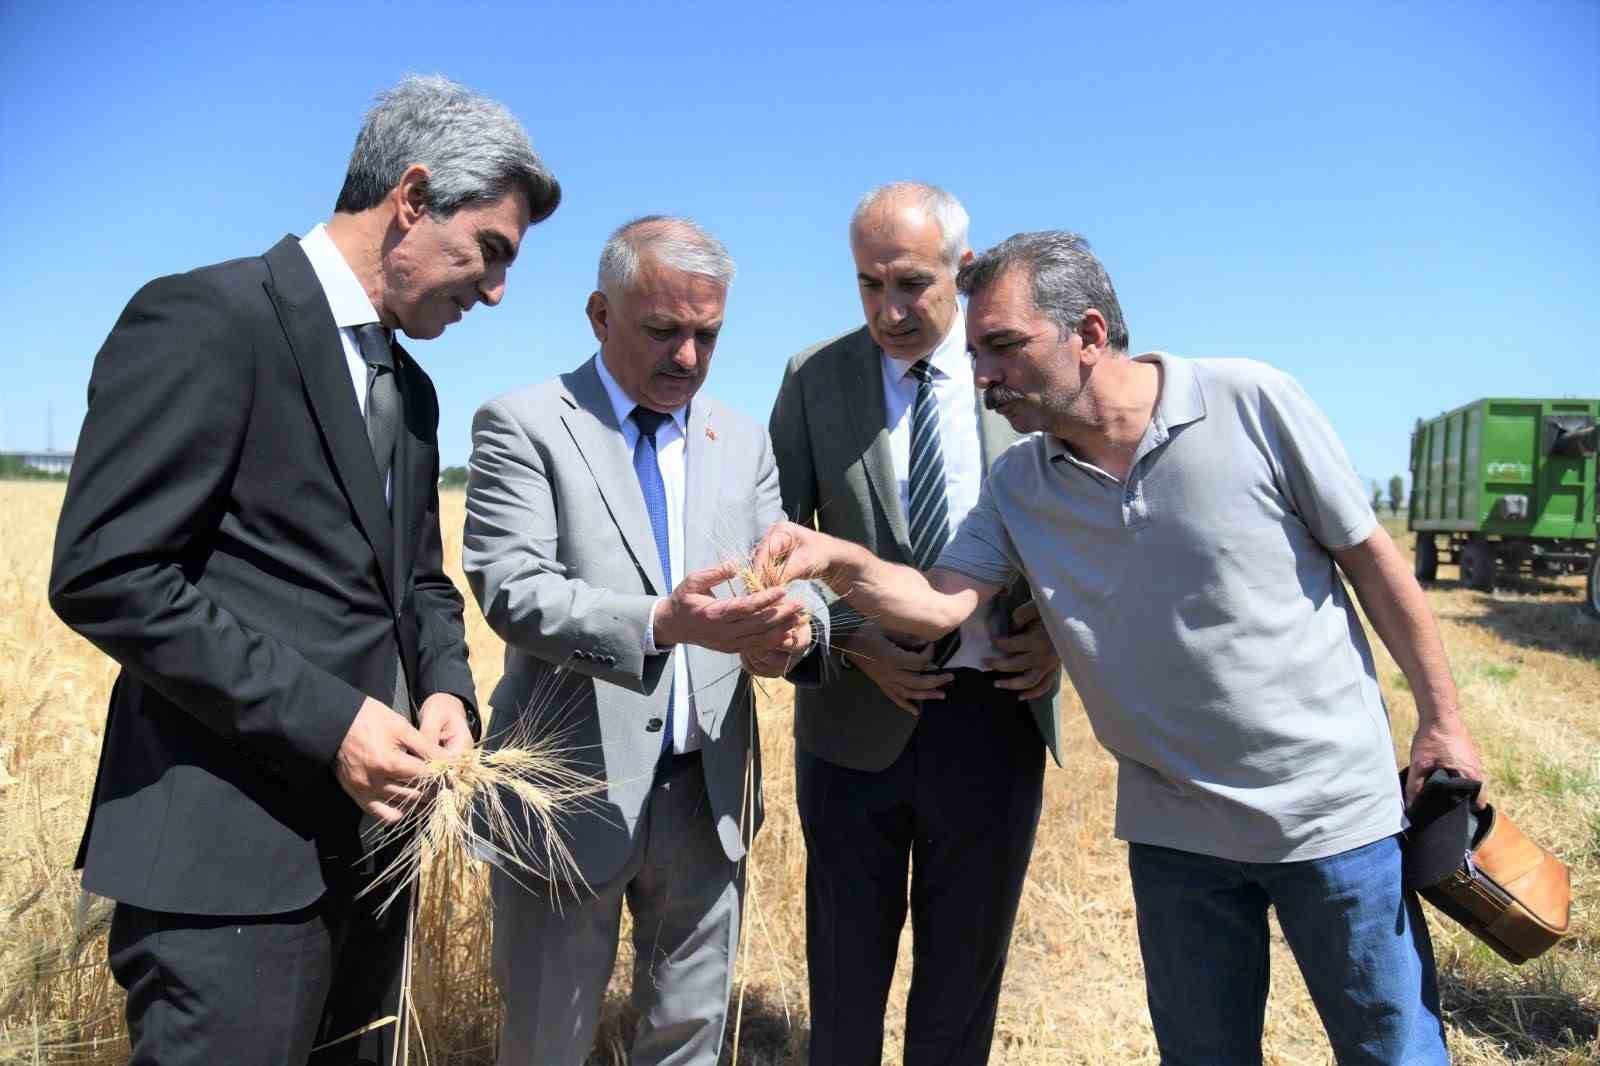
pixel 1184 524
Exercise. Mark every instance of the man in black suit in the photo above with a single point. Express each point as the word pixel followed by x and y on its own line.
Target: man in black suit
pixel 251 531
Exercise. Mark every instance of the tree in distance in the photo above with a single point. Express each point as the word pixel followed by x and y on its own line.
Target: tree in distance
pixel 14 469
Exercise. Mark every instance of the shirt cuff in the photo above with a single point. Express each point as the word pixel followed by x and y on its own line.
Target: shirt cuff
pixel 650 629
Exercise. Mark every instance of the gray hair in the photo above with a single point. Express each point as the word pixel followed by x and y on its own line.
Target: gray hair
pixel 474 148
pixel 677 243
pixel 1067 280
pixel 945 210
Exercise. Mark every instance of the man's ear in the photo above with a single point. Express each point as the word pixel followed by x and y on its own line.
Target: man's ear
pixel 1092 332
pixel 411 196
pixel 599 313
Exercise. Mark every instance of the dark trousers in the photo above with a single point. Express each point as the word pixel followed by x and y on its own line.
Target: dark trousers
pixel 262 990
pixel 959 807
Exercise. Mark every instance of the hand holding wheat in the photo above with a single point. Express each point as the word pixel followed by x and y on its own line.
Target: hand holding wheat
pixel 792 552
pixel 507 802
pixel 762 620
pixel 380 759
pixel 443 721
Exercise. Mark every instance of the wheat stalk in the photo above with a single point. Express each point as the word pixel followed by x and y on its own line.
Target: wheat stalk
pixel 508 805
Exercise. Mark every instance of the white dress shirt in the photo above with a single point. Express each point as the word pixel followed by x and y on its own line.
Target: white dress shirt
pixel 671 440
pixel 350 305
pixel 959 446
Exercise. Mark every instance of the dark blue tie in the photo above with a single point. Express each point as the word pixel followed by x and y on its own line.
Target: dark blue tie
pixel 647 468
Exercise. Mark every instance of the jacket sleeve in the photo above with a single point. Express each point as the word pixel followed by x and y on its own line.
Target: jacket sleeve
pixel 790 433
pixel 441 633
pixel 169 401
pixel 812 595
pixel 510 555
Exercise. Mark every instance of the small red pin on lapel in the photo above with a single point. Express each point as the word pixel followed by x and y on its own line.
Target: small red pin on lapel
pixel 711 434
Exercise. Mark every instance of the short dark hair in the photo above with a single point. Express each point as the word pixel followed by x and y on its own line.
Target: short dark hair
pixel 1067 279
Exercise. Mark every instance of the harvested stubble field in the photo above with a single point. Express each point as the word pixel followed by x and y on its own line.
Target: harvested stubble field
pixel 1528 663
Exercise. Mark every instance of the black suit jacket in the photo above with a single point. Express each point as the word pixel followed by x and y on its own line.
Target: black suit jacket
pixel 225 538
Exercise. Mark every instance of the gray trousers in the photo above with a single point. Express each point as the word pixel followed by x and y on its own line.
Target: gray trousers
pixel 553 961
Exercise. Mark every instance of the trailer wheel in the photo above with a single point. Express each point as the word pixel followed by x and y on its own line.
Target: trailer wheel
pixel 1592 600
pixel 1478 565
pixel 1427 557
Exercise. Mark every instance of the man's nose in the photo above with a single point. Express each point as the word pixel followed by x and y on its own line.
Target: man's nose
pixel 687 354
pixel 492 289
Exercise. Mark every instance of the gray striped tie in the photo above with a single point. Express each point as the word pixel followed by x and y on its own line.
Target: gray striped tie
pixel 929 511
pixel 383 429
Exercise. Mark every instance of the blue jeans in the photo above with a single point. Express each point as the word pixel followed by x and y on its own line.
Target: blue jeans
pixel 1360 940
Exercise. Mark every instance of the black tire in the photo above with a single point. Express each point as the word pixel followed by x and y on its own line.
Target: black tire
pixel 1478 565
pixel 1591 599
pixel 1427 557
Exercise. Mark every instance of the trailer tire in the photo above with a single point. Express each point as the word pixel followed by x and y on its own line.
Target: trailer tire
pixel 1478 565
pixel 1427 557
pixel 1591 599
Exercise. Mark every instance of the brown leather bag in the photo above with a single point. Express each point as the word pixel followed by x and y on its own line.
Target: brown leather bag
pixel 1481 870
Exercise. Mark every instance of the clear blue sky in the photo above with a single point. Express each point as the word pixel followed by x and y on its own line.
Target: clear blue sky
pixel 1398 203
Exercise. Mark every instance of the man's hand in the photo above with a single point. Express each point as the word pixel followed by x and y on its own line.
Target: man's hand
pixel 797 552
pixel 380 758
pixel 780 661
pixel 898 673
pixel 443 719
pixel 761 622
pixel 925 606
pixel 1442 741
pixel 1029 655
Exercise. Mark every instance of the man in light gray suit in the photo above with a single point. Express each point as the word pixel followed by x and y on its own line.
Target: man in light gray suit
pixel 589 498
pixel 933 758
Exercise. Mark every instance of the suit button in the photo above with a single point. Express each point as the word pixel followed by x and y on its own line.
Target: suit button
pixel 653 725
pixel 611 660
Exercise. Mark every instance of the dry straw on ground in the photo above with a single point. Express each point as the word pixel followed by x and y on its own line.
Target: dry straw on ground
pixel 1527 660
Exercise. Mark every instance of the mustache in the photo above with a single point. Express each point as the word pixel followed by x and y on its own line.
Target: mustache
pixel 669 369
pixel 996 395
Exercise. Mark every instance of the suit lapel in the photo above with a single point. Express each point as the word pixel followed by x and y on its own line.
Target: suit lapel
pixel 314 340
pixel 703 542
pixel 592 424
pixel 864 399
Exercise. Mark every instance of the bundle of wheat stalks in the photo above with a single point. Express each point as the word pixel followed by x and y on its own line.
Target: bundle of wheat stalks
pixel 466 805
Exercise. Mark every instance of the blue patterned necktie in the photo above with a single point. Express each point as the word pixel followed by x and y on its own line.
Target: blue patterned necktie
pixel 647 468
pixel 929 517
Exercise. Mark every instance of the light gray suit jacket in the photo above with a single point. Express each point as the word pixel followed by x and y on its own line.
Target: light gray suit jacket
pixel 832 446
pixel 559 553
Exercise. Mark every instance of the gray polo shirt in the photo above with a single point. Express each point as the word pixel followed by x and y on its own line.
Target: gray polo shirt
pixel 1201 618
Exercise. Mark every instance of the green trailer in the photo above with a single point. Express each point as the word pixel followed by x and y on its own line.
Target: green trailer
pixel 1507 486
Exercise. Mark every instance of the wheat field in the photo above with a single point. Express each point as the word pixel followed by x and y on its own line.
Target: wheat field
pixel 1528 664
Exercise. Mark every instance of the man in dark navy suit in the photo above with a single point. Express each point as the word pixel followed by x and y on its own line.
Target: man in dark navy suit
pixel 251 531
